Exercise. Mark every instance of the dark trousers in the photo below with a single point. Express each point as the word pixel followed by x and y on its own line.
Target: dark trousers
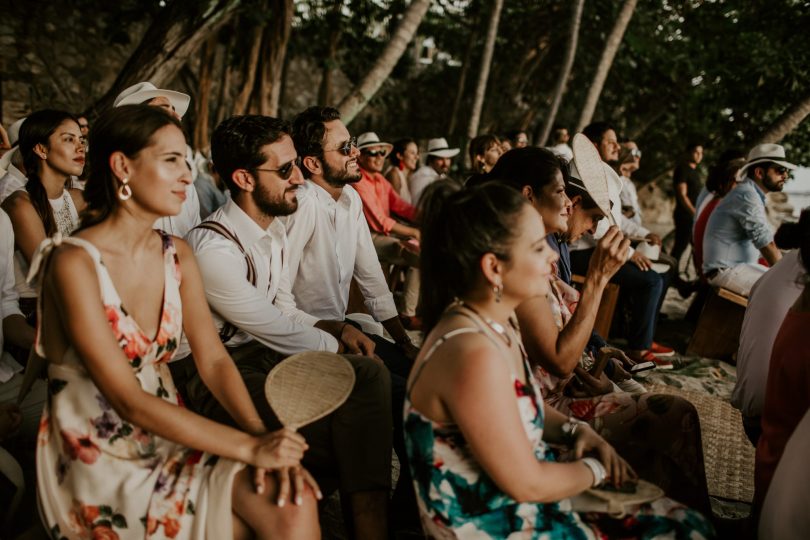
pixel 683 234
pixel 752 425
pixel 353 443
pixel 642 292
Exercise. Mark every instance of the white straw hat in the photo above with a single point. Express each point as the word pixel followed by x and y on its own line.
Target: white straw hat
pixel 439 147
pixel 590 173
pixel 765 153
pixel 144 91
pixel 369 139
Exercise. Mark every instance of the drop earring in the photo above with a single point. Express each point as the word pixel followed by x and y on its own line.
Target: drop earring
pixel 124 191
pixel 498 290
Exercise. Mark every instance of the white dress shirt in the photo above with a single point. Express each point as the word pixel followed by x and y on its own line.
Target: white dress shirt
pixel 187 219
pixel 421 179
pixel 329 242
pixel 769 302
pixel 8 295
pixel 629 197
pixel 13 180
pixel 267 311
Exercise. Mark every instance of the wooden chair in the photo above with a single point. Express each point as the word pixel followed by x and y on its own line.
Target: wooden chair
pixel 718 329
pixel 604 316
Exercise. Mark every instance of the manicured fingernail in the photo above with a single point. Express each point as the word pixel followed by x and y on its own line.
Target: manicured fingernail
pixel 259 490
pixel 281 503
pixel 299 500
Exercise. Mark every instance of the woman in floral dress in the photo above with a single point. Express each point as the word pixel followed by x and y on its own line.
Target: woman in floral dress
pixel 118 455
pixel 475 422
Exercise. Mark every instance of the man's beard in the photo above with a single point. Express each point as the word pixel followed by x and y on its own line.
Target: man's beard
pixel 274 207
pixel 770 185
pixel 339 178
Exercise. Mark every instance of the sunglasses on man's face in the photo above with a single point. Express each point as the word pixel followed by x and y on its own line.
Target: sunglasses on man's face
pixel 780 170
pixel 286 170
pixel 345 148
pixel 375 153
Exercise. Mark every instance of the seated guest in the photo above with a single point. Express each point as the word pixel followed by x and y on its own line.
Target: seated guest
pixel 439 159
pixel 477 429
pixel 557 331
pixel 243 256
pixel 175 104
pixel 559 143
pixel 115 434
pixel 52 149
pixel 787 394
pixel 404 160
pixel 484 153
pixel 722 179
pixel 770 299
pixel 516 138
pixel 738 232
pixel 784 512
pixel 12 169
pixel 395 242
pixel 642 289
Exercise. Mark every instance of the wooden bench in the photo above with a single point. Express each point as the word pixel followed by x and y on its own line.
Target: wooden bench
pixel 604 316
pixel 718 329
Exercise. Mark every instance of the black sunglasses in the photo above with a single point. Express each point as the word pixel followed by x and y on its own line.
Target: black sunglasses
pixel 345 148
pixel 780 169
pixel 375 153
pixel 286 170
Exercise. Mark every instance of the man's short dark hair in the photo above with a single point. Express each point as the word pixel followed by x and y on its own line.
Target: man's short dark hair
pixel 308 132
pixel 692 145
pixel 596 130
pixel 237 144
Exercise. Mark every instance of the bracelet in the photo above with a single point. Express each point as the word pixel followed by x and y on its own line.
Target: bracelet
pixel 569 428
pixel 597 469
pixel 342 328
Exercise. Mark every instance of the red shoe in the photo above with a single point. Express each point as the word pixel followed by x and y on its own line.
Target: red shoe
pixel 659 350
pixel 411 322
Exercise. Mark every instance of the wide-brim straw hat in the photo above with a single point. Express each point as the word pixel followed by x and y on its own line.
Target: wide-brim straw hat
pixel 308 386
pixel 439 147
pixel 590 173
pixel 765 153
pixel 370 139
pixel 144 91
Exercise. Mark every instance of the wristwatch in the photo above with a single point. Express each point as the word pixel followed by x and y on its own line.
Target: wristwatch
pixel 569 428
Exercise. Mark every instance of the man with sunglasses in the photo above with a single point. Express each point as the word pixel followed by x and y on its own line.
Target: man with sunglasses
pixel 396 243
pixel 738 232
pixel 243 256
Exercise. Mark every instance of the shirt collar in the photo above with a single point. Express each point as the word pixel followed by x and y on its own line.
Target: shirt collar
pixel 246 230
pixel 324 197
pixel 756 187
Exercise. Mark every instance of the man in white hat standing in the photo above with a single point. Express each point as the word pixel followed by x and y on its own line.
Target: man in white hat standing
pixel 396 243
pixel 738 232
pixel 439 158
pixel 176 104
pixel 12 172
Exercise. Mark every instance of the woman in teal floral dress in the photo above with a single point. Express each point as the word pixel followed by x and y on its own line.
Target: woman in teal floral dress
pixel 475 423
pixel 118 455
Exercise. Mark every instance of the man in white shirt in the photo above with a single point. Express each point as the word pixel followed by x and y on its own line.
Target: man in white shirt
pixel 243 257
pixel 176 104
pixel 439 159
pixel 12 175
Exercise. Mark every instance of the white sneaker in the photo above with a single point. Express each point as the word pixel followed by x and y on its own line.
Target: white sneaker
pixel 631 386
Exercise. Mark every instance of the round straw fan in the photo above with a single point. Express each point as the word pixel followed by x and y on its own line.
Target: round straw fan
pixel 617 502
pixel 307 386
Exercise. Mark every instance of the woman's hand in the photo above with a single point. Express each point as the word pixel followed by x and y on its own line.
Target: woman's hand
pixel 292 482
pixel 618 471
pixel 279 449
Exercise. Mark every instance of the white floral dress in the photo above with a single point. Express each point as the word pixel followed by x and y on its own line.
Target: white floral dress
pixel 100 477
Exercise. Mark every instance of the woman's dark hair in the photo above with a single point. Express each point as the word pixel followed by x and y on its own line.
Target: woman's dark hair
pixel 480 145
pixel 37 129
pixel 796 236
pixel 724 173
pixel 400 146
pixel 128 129
pixel 530 166
pixel 459 226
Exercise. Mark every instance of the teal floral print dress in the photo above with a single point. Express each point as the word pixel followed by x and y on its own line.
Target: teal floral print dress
pixel 101 477
pixel 457 499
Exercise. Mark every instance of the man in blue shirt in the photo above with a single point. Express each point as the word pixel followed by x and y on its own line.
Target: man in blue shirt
pixel 738 232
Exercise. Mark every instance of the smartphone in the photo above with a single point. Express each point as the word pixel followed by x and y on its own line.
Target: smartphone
pixel 642 366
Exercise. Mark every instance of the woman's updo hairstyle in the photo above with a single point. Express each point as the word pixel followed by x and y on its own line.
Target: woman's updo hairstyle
pixel 37 129
pixel 128 129
pixel 459 226
pixel 796 236
pixel 528 166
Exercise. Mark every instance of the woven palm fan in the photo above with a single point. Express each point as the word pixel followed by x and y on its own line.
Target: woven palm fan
pixel 307 386
pixel 617 502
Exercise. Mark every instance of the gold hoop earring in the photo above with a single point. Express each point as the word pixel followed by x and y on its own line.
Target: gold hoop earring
pixel 498 290
pixel 124 191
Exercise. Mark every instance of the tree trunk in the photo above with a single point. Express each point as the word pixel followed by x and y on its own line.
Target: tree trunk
pixel 462 78
pixel 787 122
pixel 565 71
pixel 226 75
pixel 330 62
pixel 276 38
pixel 240 104
pixel 360 95
pixel 173 37
pixel 207 57
pixel 486 64
pixel 605 62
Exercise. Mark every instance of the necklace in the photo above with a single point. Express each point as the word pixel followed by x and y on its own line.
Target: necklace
pixel 495 326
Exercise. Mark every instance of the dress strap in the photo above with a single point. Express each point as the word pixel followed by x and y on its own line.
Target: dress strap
pixel 438 343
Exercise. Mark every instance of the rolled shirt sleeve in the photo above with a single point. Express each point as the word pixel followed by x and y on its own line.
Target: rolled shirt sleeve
pixel 750 215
